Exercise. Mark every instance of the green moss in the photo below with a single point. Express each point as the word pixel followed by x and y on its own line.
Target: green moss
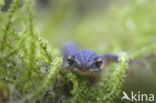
pixel 7 26
pixel 21 57
pixel 112 85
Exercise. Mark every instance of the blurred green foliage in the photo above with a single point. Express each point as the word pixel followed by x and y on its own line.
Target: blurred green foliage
pixel 30 69
pixel 125 25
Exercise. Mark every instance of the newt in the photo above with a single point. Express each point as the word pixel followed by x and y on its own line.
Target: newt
pixel 85 62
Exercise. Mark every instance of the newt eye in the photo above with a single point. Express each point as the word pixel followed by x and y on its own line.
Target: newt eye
pixel 98 62
pixel 71 60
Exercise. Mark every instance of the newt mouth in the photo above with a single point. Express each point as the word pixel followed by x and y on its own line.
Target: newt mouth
pixel 86 72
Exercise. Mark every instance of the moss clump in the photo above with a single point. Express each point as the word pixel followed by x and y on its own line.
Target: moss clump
pixel 23 78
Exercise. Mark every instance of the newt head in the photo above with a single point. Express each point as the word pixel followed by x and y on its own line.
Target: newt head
pixel 83 62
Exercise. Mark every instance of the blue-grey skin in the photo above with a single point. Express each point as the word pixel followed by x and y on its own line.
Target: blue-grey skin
pixel 85 60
